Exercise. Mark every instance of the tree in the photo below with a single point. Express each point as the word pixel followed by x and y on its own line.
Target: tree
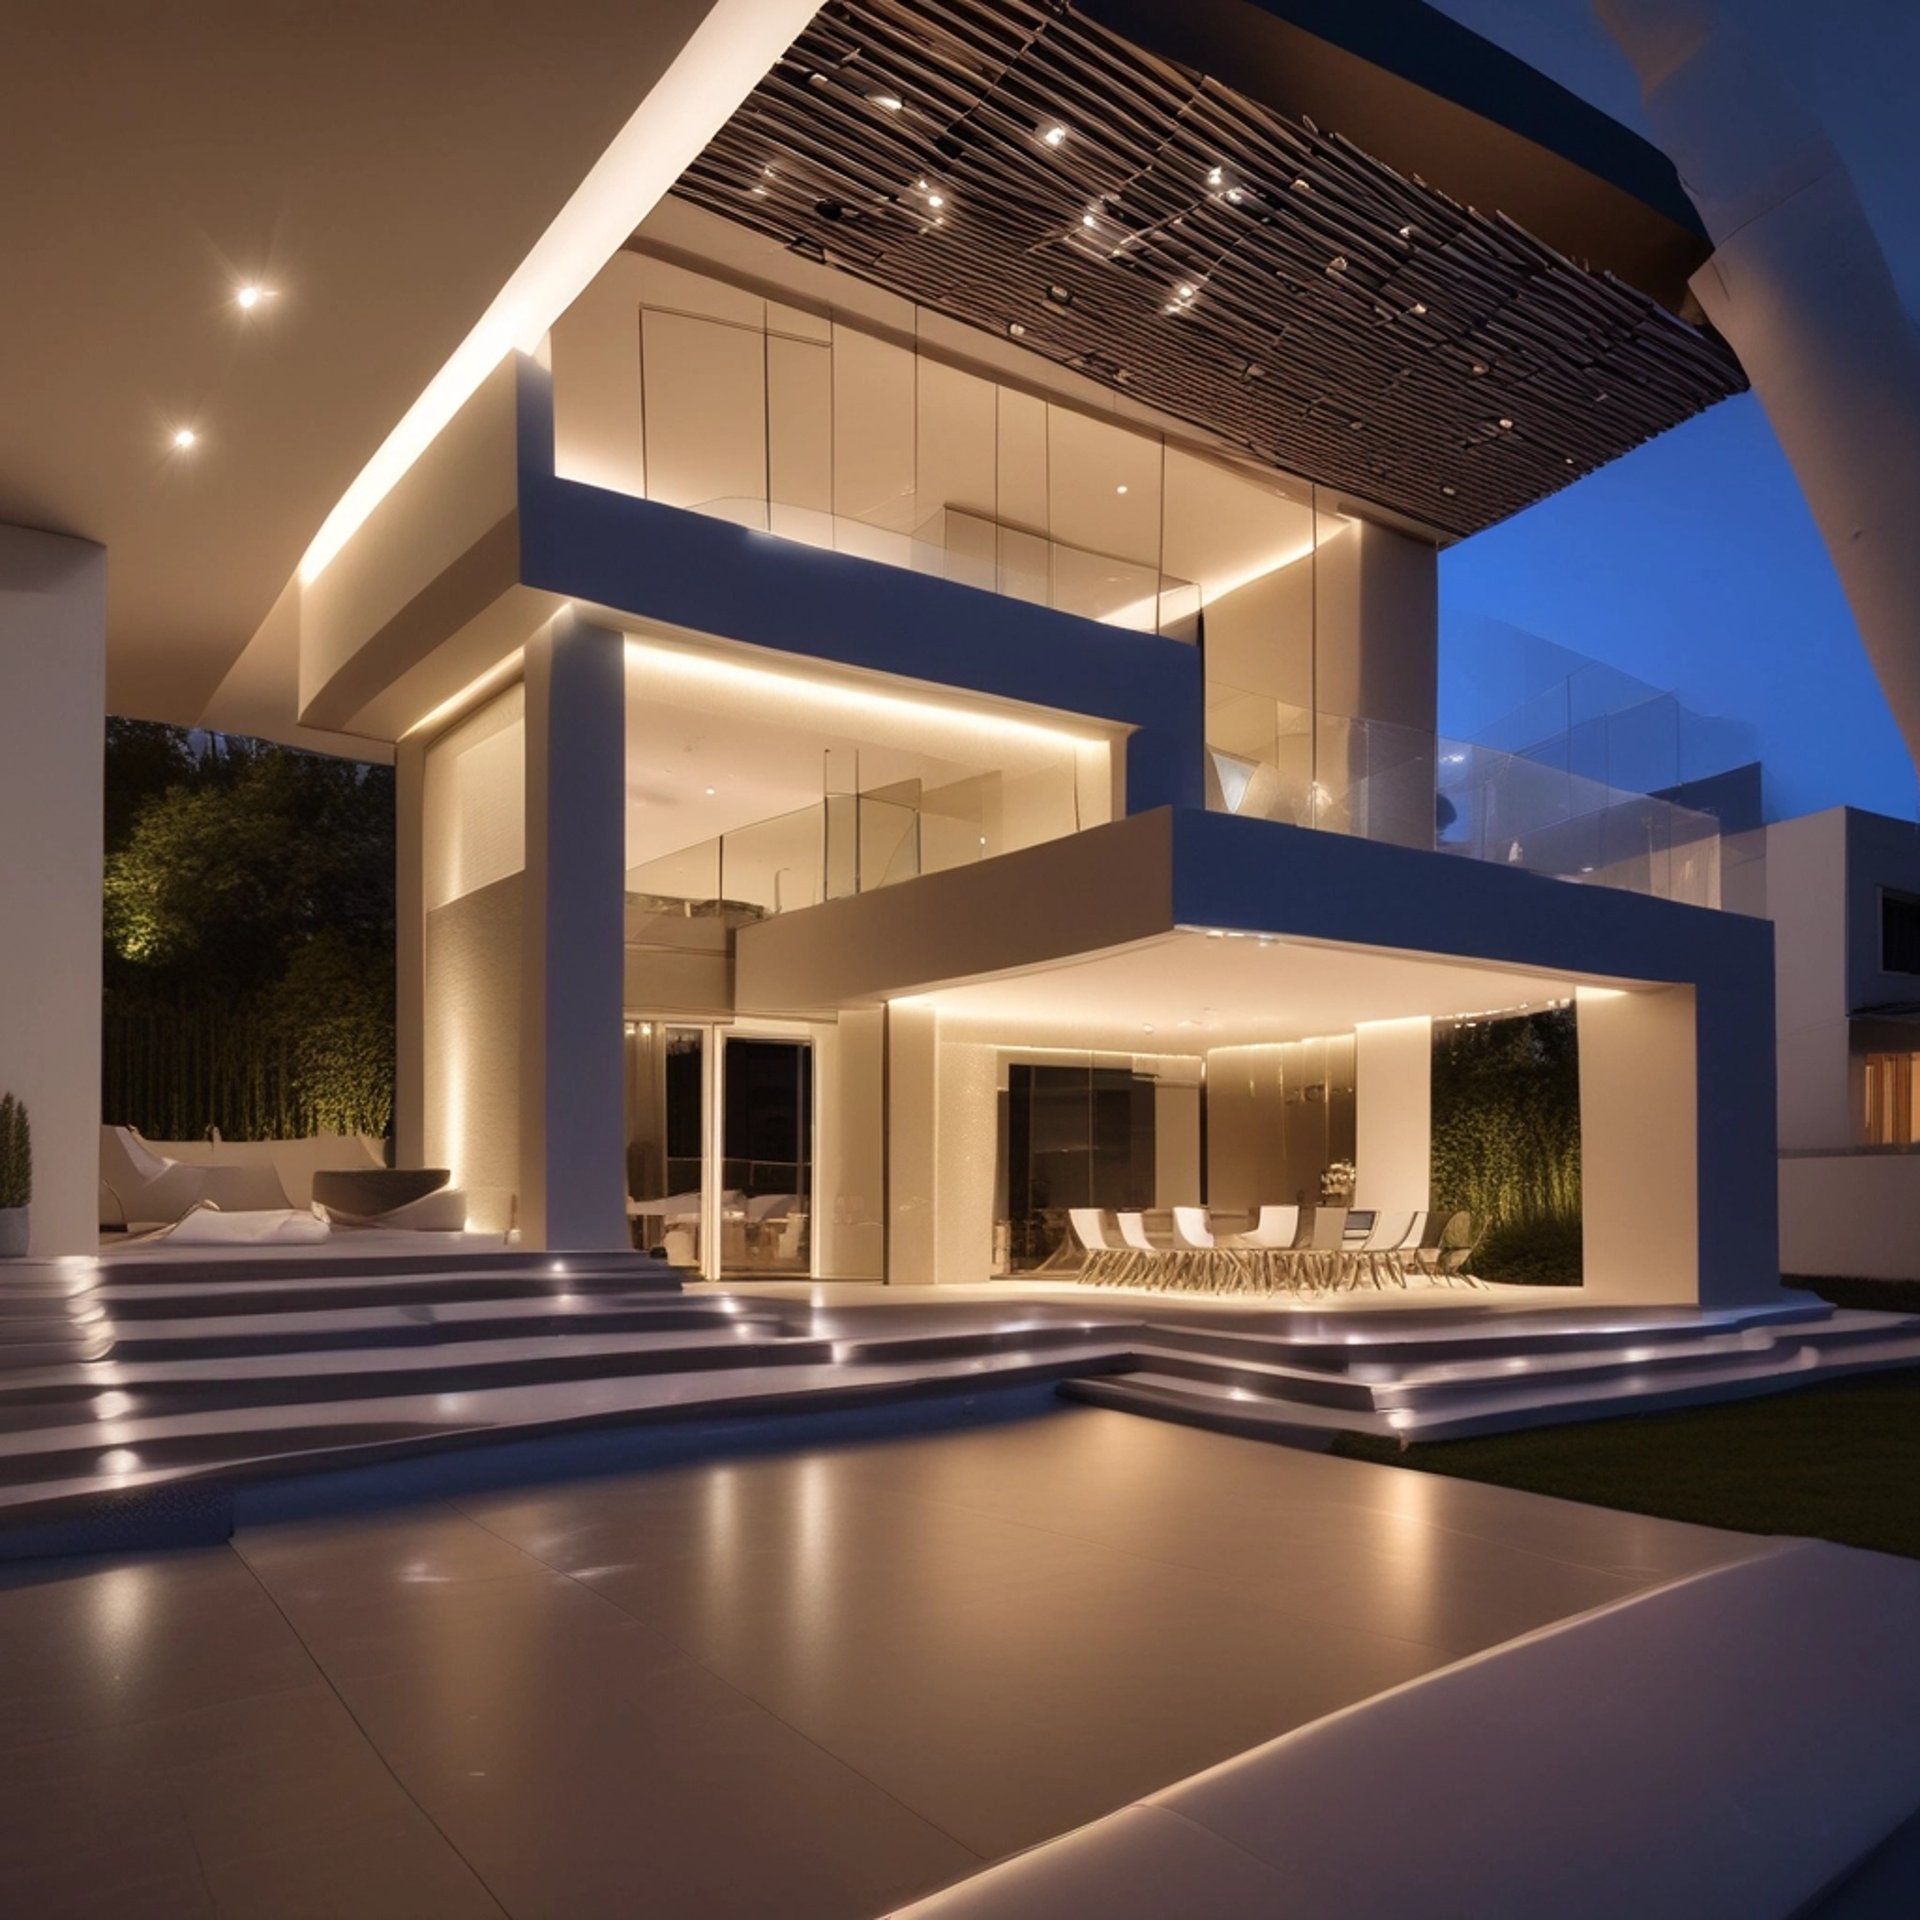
pixel 249 922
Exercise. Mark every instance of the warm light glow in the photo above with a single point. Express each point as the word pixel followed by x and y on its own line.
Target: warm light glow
pixel 471 694
pixel 727 55
pixel 248 297
pixel 184 438
pixel 1054 135
pixel 889 101
pixel 826 700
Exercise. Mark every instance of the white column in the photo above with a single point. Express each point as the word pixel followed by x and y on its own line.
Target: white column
pixel 572 1090
pixel 53 659
pixel 410 955
pixel 1801 290
pixel 913 1100
pixel 1639 1145
pixel 1393 1113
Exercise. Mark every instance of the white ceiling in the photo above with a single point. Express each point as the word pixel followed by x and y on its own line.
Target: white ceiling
pixel 383 168
pixel 1196 991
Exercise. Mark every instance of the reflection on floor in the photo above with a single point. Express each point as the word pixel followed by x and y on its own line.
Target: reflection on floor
pixel 812 1682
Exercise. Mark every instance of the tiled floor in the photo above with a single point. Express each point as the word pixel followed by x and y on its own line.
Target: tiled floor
pixel 810 1683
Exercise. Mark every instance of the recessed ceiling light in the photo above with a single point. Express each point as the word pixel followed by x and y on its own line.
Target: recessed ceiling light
pixel 1089 220
pixel 936 199
pixel 1016 329
pixel 248 297
pixel 1121 488
pixel 185 437
pixel 1449 491
pixel 1504 423
pixel 1186 293
pixel 1146 1029
pixel 890 101
pixel 1419 306
pixel 1233 194
pixel 1060 296
pixel 1214 177
pixel 711 791
pixel 1054 135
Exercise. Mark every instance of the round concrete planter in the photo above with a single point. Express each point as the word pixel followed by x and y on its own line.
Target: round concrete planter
pixel 13 1232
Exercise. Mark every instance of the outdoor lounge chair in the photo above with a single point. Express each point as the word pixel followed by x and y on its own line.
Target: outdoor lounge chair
pixel 152 1190
pixel 1149 1264
pixel 1269 1244
pixel 1197 1261
pixel 1090 1231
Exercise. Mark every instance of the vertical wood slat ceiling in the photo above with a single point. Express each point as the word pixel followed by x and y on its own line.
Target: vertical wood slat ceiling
pixel 1242 271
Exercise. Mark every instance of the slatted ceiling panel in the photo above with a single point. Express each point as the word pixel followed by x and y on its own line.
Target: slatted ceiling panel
pixel 1245 272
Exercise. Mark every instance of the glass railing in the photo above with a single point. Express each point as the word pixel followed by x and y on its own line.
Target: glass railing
pixel 1376 781
pixel 976 552
pixel 843 845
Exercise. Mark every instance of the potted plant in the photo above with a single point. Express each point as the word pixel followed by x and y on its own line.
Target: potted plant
pixel 16 1175
pixel 1336 1183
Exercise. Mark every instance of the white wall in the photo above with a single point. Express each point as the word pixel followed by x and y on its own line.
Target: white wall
pixel 1853 1215
pixel 1393 1113
pixel 53 613
pixel 1639 1153
pixel 1806 881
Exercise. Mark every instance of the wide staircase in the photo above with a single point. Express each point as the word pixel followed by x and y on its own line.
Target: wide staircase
pixel 121 1379
pixel 1445 1373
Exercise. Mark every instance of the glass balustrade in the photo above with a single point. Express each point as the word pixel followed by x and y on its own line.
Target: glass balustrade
pixel 1273 761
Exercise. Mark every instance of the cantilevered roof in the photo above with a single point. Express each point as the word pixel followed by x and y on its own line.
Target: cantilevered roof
pixel 1025 168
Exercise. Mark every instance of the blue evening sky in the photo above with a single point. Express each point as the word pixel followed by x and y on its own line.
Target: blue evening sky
pixel 1693 562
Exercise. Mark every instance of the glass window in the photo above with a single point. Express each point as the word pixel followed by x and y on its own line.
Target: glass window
pixel 1899 933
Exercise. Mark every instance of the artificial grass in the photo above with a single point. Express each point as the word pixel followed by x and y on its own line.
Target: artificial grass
pixel 1837 1462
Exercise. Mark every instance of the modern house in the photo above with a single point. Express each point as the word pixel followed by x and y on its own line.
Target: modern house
pixel 1843 891
pixel 907 630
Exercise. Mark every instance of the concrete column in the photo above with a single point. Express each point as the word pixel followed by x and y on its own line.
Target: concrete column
pixel 1393 1113
pixel 913 1101
pixel 53 675
pixel 1801 290
pixel 572 1093
pixel 849 1160
pixel 410 955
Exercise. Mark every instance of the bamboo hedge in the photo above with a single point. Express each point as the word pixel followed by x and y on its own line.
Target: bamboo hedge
pixel 1506 1140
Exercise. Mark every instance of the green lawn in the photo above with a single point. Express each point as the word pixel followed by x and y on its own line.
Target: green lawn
pixel 1838 1462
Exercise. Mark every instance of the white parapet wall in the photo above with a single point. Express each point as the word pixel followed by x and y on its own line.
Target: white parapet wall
pixel 1850 1215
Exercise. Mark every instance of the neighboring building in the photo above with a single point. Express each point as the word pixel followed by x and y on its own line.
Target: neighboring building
pixel 914 692
pixel 1843 891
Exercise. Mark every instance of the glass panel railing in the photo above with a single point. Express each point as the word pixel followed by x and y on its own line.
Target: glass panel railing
pixel 1376 781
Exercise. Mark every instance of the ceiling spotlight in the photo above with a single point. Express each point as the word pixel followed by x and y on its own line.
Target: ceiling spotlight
pixel 1503 423
pixel 1338 264
pixel 1479 366
pixel 248 297
pixel 1214 177
pixel 1054 135
pixel 711 791
pixel 1088 220
pixel 1186 293
pixel 1147 1029
pixel 936 199
pixel 1016 329
pixel 890 102
pixel 1302 184
pixel 1233 194
pixel 1121 488
pixel 1449 491
pixel 1418 307
pixel 184 438
pixel 1406 233
pixel 1060 296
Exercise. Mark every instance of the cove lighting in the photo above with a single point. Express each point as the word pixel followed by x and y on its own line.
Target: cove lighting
pixel 834 700
pixel 726 56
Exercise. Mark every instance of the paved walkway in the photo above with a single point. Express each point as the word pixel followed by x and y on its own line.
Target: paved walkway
pixel 812 1683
